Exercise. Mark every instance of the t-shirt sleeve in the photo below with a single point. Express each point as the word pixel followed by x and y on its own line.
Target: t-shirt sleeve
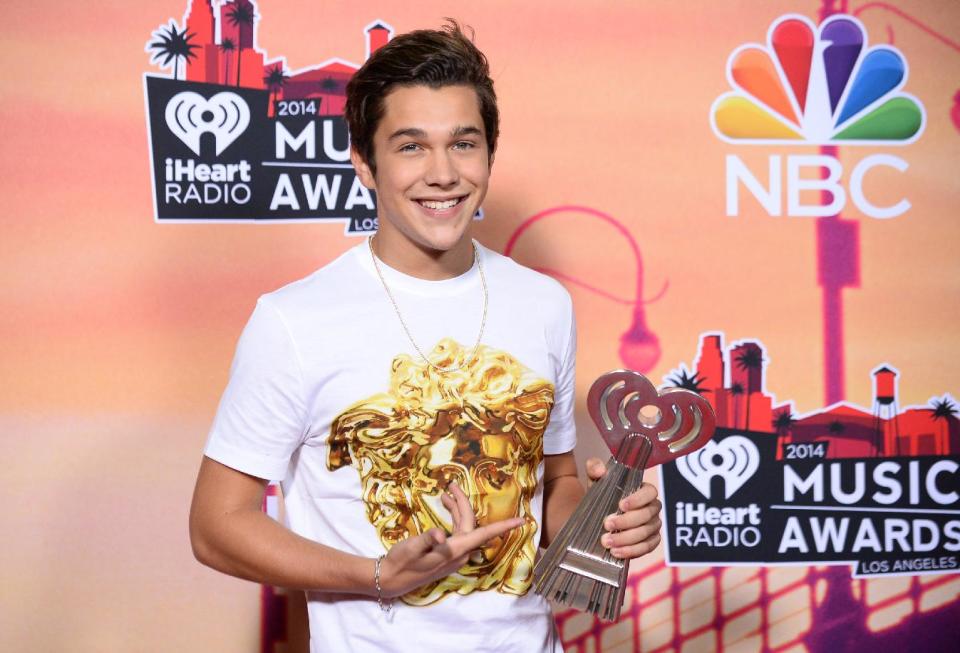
pixel 261 419
pixel 561 433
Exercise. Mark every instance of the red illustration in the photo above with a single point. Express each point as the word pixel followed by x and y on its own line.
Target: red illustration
pixel 732 380
pixel 218 45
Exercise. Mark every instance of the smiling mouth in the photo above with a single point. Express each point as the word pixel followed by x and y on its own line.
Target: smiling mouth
pixel 438 205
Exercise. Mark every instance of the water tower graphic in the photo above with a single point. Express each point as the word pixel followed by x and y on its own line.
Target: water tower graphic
pixel 886 424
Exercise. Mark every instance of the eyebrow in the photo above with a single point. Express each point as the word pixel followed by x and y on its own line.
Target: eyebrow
pixel 412 132
pixel 466 130
pixel 416 132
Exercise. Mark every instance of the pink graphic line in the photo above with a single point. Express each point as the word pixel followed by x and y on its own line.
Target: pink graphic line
pixel 526 224
pixel 639 346
pixel 832 275
pixel 910 19
pixel 556 274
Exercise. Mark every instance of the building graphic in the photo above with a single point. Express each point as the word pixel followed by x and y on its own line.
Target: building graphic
pixel 732 380
pixel 227 53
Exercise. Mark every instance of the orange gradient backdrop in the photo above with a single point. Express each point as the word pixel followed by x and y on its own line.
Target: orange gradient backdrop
pixel 116 332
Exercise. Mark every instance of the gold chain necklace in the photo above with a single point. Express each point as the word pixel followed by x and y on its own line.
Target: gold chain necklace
pixel 406 329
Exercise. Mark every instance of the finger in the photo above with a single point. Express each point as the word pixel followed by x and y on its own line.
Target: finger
pixel 644 495
pixel 631 536
pixel 466 542
pixel 595 469
pixel 633 518
pixel 638 549
pixel 468 520
pixel 451 505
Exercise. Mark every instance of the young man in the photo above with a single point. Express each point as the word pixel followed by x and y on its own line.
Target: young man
pixel 414 396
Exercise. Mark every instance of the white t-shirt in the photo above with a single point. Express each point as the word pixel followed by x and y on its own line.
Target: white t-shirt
pixel 328 396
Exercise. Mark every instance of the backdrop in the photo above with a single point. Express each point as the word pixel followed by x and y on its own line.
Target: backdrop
pixel 754 200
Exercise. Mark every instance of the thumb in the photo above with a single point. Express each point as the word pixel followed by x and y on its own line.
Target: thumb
pixel 595 469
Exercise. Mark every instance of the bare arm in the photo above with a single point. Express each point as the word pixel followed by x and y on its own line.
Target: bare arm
pixel 562 492
pixel 229 532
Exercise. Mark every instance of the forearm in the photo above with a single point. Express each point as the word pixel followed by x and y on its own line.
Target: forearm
pixel 229 532
pixel 561 496
pixel 249 544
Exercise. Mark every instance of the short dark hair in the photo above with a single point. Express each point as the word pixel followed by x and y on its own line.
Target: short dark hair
pixel 434 58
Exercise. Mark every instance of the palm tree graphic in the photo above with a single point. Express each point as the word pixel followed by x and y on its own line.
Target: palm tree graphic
pixel 683 379
pixel 943 410
pixel 782 422
pixel 836 427
pixel 751 359
pixel 227 46
pixel 172 45
pixel 275 80
pixel 329 85
pixel 240 15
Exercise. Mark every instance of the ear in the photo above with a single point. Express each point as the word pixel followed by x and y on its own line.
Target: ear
pixel 363 169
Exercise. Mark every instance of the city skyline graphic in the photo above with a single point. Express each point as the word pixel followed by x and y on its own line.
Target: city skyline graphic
pixel 218 45
pixel 733 379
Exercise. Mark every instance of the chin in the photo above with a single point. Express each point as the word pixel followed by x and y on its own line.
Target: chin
pixel 444 239
pixel 446 244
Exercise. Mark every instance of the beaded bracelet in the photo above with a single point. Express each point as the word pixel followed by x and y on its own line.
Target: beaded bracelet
pixel 385 606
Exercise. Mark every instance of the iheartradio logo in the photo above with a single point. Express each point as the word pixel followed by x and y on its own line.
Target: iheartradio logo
pixel 735 459
pixel 189 115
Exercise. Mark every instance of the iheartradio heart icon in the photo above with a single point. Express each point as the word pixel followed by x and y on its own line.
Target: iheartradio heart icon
pixel 735 459
pixel 189 115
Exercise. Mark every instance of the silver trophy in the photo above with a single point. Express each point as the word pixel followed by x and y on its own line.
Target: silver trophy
pixel 642 428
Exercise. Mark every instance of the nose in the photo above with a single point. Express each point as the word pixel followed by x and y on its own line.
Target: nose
pixel 442 170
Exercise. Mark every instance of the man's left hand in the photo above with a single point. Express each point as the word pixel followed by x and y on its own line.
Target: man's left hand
pixel 635 532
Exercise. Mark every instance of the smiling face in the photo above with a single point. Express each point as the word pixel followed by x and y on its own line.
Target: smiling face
pixel 432 168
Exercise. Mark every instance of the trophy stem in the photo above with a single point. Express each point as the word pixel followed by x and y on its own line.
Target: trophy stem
pixel 577 570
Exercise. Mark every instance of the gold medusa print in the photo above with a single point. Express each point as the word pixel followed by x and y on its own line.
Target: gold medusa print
pixel 481 426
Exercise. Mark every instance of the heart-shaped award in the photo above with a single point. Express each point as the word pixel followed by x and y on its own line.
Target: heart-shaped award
pixel 642 428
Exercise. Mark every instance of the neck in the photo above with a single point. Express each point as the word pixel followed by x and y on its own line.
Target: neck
pixel 416 261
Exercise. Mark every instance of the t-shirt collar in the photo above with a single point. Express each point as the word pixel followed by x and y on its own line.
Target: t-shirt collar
pixel 399 281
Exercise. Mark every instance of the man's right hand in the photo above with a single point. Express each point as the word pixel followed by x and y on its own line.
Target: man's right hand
pixel 432 555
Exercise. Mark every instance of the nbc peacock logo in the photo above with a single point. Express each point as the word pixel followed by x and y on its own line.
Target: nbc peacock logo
pixel 817 86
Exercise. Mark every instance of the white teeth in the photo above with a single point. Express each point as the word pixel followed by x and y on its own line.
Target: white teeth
pixel 439 206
